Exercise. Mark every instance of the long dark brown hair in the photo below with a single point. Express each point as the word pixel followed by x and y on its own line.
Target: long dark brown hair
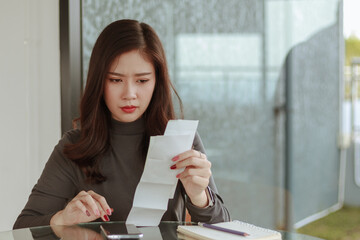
pixel 119 37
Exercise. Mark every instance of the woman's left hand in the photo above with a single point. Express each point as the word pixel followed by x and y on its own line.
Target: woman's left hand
pixel 196 175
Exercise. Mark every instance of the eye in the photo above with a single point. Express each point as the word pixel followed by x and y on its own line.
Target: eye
pixel 142 80
pixel 115 80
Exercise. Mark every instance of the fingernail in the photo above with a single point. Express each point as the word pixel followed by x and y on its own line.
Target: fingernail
pixel 112 210
pixel 88 213
pixel 177 176
pixel 108 211
pixel 106 218
pixel 175 158
pixel 173 166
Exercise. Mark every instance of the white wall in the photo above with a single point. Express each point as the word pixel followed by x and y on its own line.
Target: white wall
pixel 29 98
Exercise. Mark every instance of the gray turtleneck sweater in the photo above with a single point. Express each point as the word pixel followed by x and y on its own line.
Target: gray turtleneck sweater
pixel 61 180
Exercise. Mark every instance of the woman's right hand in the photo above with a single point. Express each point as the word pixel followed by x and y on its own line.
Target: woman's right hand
pixel 84 207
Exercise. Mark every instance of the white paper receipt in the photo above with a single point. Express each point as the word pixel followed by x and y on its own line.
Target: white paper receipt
pixel 158 182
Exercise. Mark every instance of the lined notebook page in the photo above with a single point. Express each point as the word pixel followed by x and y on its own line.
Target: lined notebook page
pixel 255 232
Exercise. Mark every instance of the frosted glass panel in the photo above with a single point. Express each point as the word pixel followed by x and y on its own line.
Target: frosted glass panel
pixel 218 50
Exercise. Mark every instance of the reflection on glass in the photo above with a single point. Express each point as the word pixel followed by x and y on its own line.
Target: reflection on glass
pixel 91 231
pixel 76 232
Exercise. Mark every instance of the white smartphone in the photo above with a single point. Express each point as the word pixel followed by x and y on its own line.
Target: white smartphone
pixel 120 231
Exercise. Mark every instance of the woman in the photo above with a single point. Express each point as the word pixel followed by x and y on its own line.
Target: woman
pixel 93 171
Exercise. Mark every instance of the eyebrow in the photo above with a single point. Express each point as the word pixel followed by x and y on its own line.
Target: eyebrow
pixel 136 74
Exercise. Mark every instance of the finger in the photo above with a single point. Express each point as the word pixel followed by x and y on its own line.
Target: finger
pixel 192 162
pixel 79 204
pixel 187 154
pixel 199 172
pixel 103 203
pixel 90 202
pixel 82 193
pixel 199 181
pixel 104 215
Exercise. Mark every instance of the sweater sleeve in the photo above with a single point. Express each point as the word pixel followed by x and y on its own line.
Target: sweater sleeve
pixel 55 187
pixel 215 213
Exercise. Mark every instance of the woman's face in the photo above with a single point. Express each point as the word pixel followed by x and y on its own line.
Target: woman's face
pixel 129 86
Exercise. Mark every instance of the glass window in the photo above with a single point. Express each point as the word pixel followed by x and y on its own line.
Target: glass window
pixel 238 65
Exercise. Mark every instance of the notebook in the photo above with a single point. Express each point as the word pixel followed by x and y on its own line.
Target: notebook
pixel 202 233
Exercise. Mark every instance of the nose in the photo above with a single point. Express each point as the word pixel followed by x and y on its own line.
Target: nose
pixel 129 91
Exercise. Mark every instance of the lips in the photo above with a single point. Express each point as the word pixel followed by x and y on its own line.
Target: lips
pixel 128 109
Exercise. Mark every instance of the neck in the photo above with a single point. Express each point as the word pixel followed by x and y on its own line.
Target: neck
pixel 129 128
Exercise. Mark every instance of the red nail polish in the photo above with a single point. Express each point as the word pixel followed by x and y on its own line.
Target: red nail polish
pixel 87 213
pixel 112 210
pixel 106 218
pixel 173 166
pixel 108 211
pixel 175 158
pixel 177 176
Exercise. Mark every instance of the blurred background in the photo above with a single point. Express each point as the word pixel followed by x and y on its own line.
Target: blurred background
pixel 274 84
